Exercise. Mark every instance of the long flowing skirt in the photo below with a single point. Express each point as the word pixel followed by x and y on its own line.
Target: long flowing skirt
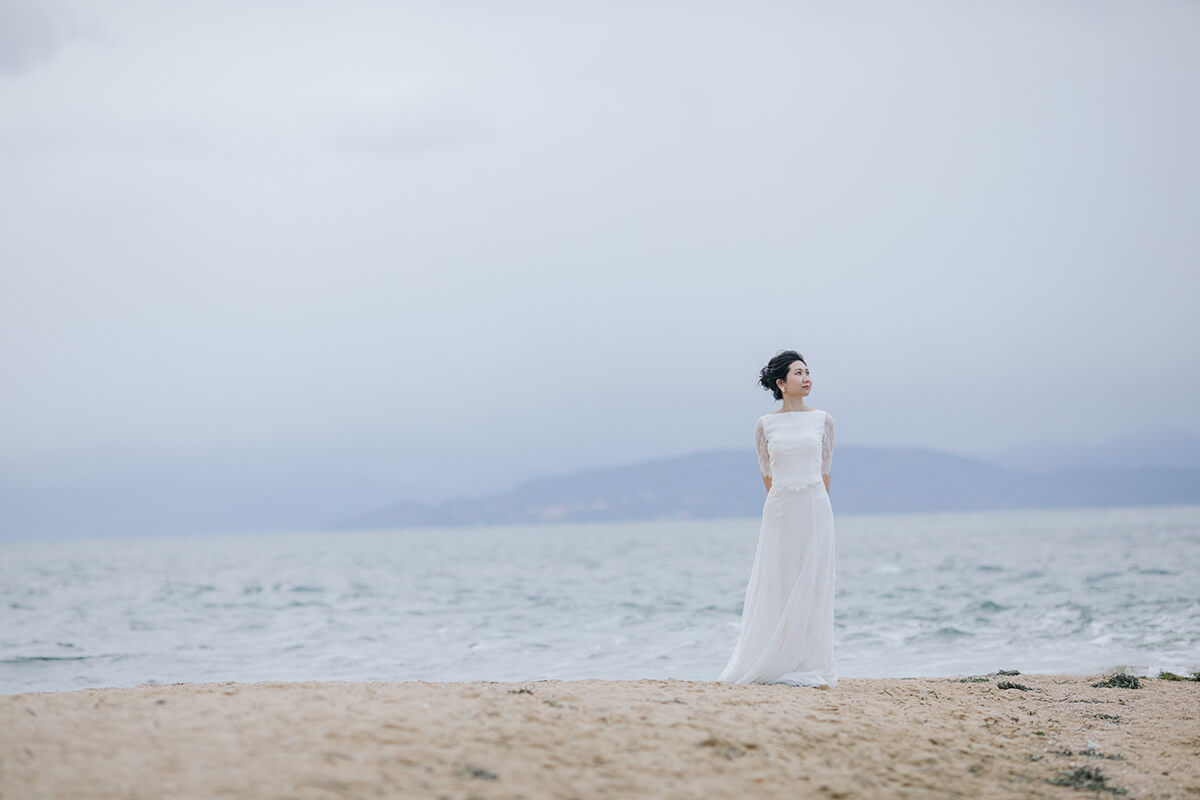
pixel 786 632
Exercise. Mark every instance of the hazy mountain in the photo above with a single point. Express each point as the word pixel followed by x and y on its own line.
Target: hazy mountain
pixel 866 480
pixel 1148 447
pixel 242 495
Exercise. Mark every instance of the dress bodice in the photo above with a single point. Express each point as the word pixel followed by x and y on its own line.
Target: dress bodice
pixel 795 448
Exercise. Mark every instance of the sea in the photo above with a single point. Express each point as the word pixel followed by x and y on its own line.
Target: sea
pixel 1077 592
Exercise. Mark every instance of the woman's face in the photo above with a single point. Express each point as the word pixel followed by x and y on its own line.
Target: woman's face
pixel 799 384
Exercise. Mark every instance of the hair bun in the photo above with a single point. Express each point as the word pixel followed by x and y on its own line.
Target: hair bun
pixel 777 370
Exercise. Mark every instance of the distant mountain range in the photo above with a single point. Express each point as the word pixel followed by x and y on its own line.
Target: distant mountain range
pixel 1147 447
pixel 723 484
pixel 75 499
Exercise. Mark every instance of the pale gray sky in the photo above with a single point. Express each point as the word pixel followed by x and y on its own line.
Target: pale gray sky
pixel 459 236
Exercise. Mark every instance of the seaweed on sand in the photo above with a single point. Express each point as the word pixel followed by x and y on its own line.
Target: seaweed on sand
pixel 473 771
pixel 1090 778
pixel 725 748
pixel 1119 680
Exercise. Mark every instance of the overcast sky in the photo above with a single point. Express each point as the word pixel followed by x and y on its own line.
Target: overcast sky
pixel 443 231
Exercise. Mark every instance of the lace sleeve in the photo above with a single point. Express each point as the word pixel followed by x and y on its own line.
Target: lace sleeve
pixel 760 444
pixel 827 445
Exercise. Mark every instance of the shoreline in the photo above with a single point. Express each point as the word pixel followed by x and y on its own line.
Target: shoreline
pixel 866 737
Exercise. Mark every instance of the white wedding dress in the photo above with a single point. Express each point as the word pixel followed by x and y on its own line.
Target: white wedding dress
pixel 786 632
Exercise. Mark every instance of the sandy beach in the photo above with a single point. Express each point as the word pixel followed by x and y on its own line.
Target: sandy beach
pixel 922 737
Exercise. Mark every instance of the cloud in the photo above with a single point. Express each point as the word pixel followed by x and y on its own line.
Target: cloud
pixel 385 118
pixel 30 35
pixel 380 221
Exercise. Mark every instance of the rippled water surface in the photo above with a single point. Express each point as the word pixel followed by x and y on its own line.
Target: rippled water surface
pixel 918 594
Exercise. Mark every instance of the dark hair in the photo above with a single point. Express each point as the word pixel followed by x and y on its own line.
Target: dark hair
pixel 777 370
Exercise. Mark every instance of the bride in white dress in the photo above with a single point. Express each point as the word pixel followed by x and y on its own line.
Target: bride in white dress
pixel 786 631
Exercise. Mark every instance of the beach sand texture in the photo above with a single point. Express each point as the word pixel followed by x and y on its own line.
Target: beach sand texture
pixel 895 738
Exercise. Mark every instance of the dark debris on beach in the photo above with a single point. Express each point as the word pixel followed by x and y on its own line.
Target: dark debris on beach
pixel 477 772
pixel 987 678
pixel 1090 752
pixel 1090 778
pixel 1119 680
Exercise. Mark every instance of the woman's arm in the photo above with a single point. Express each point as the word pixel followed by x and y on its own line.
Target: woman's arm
pixel 764 453
pixel 827 451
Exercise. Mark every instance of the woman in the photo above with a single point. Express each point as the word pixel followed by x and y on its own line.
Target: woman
pixel 786 632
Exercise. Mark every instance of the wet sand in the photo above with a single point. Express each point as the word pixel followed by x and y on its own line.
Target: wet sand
pixel 894 738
